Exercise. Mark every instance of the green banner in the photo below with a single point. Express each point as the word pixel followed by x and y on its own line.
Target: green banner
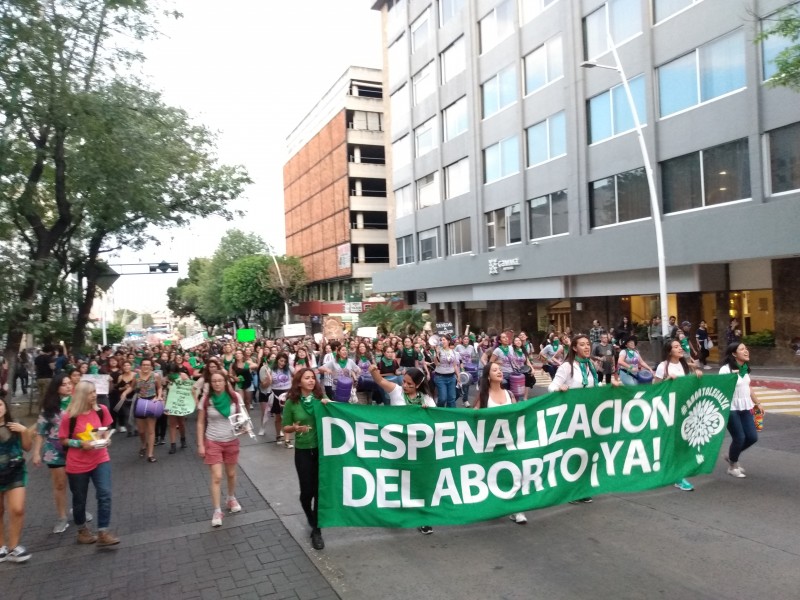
pixel 410 466
pixel 245 335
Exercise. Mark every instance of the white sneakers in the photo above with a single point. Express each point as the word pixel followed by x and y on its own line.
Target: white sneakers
pixel 519 518
pixel 233 505
pixel 216 520
pixel 736 472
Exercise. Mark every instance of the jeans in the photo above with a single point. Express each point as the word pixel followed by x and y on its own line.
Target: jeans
pixel 445 390
pixel 79 486
pixel 306 462
pixel 627 379
pixel 742 428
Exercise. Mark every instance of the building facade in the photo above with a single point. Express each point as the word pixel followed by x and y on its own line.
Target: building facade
pixel 335 196
pixel 518 190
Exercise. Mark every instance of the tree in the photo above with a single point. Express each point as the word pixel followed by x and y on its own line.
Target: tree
pixel 786 27
pixel 410 320
pixel 114 334
pixel 242 297
pixel 287 280
pixel 381 316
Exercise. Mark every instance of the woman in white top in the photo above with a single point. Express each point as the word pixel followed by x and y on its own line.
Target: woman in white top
pixel 741 425
pixel 490 395
pixel 673 365
pixel 413 392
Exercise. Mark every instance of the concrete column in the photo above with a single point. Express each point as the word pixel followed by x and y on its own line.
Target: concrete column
pixel 358 187
pixel 362 254
pixel 360 220
pixel 357 154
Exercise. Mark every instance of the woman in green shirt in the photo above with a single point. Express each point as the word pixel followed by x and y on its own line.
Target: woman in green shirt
pixel 298 418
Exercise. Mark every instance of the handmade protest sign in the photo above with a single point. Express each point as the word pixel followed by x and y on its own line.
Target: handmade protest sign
pixel 192 341
pixel 100 382
pixel 406 466
pixel 180 401
pixel 245 335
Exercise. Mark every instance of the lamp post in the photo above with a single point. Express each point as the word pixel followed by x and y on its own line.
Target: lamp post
pixel 280 278
pixel 651 184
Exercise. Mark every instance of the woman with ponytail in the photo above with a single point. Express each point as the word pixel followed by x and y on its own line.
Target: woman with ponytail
pixel 741 425
pixel 217 442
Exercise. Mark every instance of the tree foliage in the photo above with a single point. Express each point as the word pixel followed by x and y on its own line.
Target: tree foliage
pixel 381 316
pixel 785 25
pixel 115 333
pixel 410 320
pixel 242 296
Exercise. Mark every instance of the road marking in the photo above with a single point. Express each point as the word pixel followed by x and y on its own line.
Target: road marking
pixel 784 401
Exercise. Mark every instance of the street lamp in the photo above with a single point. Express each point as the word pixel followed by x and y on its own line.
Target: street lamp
pixel 648 169
pixel 280 278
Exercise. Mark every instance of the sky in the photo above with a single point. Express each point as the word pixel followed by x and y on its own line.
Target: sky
pixel 250 70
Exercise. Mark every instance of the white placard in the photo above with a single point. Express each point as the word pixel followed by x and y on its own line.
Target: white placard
pixel 193 340
pixel 294 330
pixel 100 383
pixel 367 332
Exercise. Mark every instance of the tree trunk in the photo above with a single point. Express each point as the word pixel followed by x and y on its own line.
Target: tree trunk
pixel 90 272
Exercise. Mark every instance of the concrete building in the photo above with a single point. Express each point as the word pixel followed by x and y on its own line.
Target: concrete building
pixel 517 186
pixel 335 196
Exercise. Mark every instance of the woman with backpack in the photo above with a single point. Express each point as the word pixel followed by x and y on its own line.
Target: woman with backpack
pixel 88 460
pixel 217 443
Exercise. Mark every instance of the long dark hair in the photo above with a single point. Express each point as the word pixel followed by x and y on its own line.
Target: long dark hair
pixel 294 392
pixel 7 418
pixel 730 357
pixel 572 344
pixel 281 355
pixel 51 403
pixel 666 351
pixel 483 385
pixel 420 381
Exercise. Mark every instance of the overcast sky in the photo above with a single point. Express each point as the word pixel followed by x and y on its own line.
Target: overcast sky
pixel 251 70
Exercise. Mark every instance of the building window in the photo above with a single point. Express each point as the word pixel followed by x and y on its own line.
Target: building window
pixel 497 25
pixel 545 64
pixel 503 227
pixel 403 203
pixel 547 215
pixel 429 244
pixel 710 71
pixel 448 9
pixel 666 8
pixel 455 119
pixel 531 8
pixel 396 19
pixel 453 60
pixel 619 198
pixel 365 120
pixel 397 60
pixel 420 30
pixel 401 153
pixel 620 18
pixel 400 110
pixel 784 158
pixel 771 47
pixel 610 114
pixel 405 250
pixel 499 91
pixel 423 83
pixel 425 138
pixel 459 238
pixel 501 159
pixel 428 190
pixel 712 176
pixel 547 140
pixel 456 178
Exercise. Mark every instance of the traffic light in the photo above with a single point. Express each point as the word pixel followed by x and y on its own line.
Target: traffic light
pixel 164 267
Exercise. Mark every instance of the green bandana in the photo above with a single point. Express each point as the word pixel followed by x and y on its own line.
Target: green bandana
pixel 518 351
pixel 65 402
pixel 307 401
pixel 743 370
pixel 342 362
pixel 631 353
pixel 300 361
pixel 415 401
pixel 93 370
pixel 503 349
pixel 555 344
pixel 685 345
pixel 222 403
pixel 386 361
pixel 586 366
pixel 409 351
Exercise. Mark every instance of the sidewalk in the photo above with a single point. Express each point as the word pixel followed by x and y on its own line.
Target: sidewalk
pixel 162 514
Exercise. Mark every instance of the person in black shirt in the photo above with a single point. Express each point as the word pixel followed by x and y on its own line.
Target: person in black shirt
pixel 44 365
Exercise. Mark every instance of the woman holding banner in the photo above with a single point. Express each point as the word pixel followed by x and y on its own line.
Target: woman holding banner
pixel 299 420
pixel 413 392
pixel 490 395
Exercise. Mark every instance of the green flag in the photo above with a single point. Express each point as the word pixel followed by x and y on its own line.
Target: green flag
pixel 245 335
pixel 410 466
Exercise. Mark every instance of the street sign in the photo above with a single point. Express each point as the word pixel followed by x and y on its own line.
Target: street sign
pixel 107 276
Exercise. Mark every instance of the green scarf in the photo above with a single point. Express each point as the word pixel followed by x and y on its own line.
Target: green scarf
pixel 307 402
pixel 503 349
pixel 409 351
pixel 685 345
pixel 387 362
pixel 415 401
pixel 342 362
pixel 555 344
pixel 300 361
pixel 65 402
pixel 518 351
pixel 222 403
pixel 744 369
pixel 631 353
pixel 93 370
pixel 586 366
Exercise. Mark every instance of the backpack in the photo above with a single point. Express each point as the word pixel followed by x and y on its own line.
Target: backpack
pixel 74 420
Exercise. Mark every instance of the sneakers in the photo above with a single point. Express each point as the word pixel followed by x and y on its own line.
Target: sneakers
pixel 18 555
pixel 684 485
pixel 234 506
pixel 581 501
pixel 216 520
pixel 106 538
pixel 466 403
pixel 289 444
pixel 736 472
pixel 519 518
pixel 261 431
pixel 733 465
pixel 316 539
pixel 425 530
pixel 3 553
pixel 279 440
pixel 89 516
pixel 707 367
pixel 60 526
pixel 85 536
pixel 160 441
pixel 122 429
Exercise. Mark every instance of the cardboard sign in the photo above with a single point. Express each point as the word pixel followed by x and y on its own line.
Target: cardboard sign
pixel 445 328
pixel 333 329
pixel 294 330
pixel 190 342
pixel 367 332
pixel 100 383
pixel 180 401
pixel 245 335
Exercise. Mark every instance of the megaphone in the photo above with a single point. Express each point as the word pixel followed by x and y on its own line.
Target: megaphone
pixel 434 340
